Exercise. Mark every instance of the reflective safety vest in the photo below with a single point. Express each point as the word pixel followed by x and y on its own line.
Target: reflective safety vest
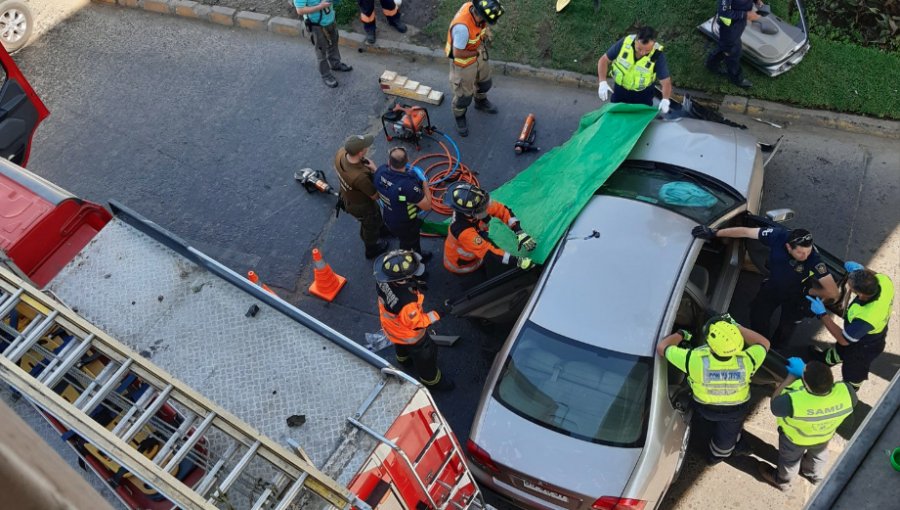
pixel 878 311
pixel 720 383
pixel 407 326
pixel 633 75
pixel 815 418
pixel 464 17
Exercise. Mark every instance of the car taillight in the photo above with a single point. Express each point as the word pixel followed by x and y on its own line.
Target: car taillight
pixel 614 503
pixel 481 457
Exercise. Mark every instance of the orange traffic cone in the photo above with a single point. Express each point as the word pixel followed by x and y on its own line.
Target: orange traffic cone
pixel 254 278
pixel 326 284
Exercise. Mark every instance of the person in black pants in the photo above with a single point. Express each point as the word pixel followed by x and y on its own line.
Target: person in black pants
pixel 732 17
pixel 403 194
pixel 793 265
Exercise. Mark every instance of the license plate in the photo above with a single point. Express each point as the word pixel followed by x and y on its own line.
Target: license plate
pixel 545 491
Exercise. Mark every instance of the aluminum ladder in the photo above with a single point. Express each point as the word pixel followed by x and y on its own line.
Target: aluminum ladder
pixel 241 467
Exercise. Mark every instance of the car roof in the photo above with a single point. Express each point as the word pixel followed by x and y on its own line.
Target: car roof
pixel 717 150
pixel 612 291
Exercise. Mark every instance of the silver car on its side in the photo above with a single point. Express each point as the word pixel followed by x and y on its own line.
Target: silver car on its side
pixel 578 412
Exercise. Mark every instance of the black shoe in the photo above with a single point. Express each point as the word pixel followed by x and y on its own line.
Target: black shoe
pixel 445 384
pixel 462 127
pixel 342 67
pixel 370 36
pixel 398 25
pixel 743 83
pixel 485 105
pixel 811 479
pixel 426 256
pixel 330 81
pixel 770 476
pixel 376 249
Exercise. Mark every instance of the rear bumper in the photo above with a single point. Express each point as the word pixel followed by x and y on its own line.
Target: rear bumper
pixel 784 65
pixel 509 493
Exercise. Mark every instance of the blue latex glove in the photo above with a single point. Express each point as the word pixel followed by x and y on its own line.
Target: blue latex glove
pixel 816 306
pixel 795 367
pixel 851 266
pixel 419 173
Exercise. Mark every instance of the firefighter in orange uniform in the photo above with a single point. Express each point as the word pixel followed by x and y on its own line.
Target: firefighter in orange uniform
pixel 467 245
pixel 403 319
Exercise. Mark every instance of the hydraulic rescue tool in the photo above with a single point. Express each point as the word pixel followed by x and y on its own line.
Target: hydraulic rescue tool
pixel 314 180
pixel 407 123
pixel 525 142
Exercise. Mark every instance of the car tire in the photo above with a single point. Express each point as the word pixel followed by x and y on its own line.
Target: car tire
pixel 16 25
pixel 682 455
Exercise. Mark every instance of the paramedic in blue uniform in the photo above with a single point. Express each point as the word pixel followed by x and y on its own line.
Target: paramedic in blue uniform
pixel 732 17
pixel 403 193
pixel 794 264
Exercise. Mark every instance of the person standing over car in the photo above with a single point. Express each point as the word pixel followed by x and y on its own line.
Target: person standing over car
pixel 403 194
pixel 470 72
pixel 793 265
pixel 719 375
pixel 404 321
pixel 318 15
pixel 467 245
pixel 732 17
pixel 864 334
pixel 391 10
pixel 810 407
pixel 636 61
pixel 358 195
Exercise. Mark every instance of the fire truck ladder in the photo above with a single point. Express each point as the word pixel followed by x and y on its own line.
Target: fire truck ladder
pixel 232 455
pixel 431 480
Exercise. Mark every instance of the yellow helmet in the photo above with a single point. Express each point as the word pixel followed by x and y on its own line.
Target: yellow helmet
pixel 723 336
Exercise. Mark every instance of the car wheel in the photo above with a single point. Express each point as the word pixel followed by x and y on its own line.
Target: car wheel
pixel 15 25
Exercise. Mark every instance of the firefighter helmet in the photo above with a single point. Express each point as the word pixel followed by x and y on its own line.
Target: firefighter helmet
pixel 398 265
pixel 488 10
pixel 467 199
pixel 723 336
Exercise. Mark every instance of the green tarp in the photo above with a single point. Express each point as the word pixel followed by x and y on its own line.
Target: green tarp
pixel 549 194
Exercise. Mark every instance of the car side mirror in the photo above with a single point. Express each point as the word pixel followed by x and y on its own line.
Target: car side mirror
pixel 780 215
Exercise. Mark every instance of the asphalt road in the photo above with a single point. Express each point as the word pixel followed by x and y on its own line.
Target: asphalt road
pixel 200 128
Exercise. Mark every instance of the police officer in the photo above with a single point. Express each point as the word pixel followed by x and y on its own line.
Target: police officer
pixel 637 61
pixel 403 319
pixel 793 265
pixel 403 193
pixel 810 407
pixel 719 375
pixel 358 195
pixel 470 73
pixel 732 17
pixel 864 333
pixel 467 245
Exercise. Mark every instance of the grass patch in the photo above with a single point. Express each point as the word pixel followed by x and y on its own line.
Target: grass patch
pixel 834 75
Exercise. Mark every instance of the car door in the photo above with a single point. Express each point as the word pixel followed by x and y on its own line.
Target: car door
pixel 498 300
pixel 21 110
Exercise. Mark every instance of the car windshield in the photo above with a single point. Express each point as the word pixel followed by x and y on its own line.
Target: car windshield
pixel 573 388
pixel 680 190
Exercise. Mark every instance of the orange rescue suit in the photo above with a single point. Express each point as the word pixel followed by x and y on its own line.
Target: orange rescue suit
pixel 464 17
pixel 468 243
pixel 402 317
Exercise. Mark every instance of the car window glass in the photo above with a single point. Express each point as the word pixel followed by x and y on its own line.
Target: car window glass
pixel 676 189
pixel 579 390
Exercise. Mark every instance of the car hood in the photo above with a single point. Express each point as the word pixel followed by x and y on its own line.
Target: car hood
pixel 576 466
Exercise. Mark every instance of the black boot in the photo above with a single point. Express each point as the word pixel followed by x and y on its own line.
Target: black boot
pixel 370 33
pixel 462 127
pixel 376 249
pixel 485 105
pixel 743 83
pixel 398 25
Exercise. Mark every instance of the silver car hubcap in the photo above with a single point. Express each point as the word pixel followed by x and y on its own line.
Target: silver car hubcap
pixel 13 25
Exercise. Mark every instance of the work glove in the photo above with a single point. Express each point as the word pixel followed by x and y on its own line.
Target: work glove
pixel 525 241
pixel 604 90
pixel 703 232
pixel 851 266
pixel 525 263
pixel 685 334
pixel 664 106
pixel 795 366
pixel 816 306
